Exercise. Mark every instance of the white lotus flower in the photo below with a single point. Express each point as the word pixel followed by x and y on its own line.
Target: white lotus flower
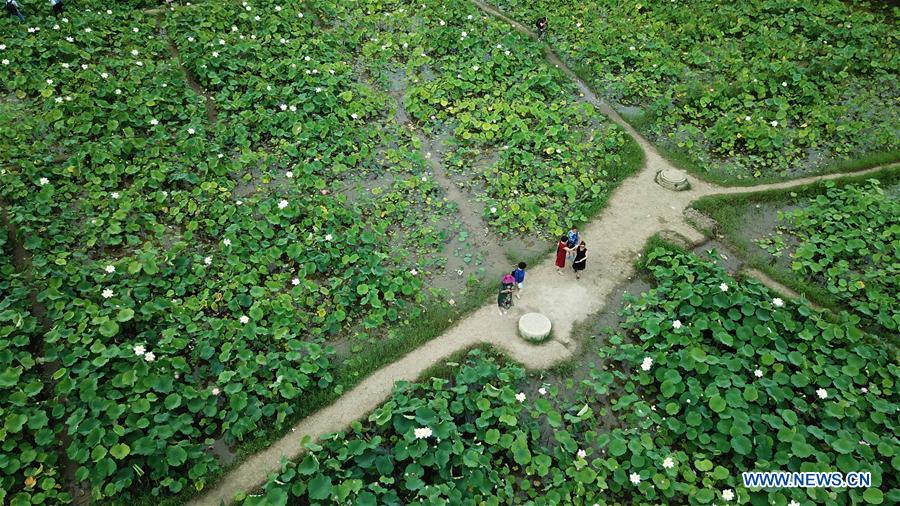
pixel 134 52
pixel 647 363
pixel 154 121
pixel 5 61
pixel 723 287
pixel 50 82
pixel 114 195
pixel 43 181
pixel 442 22
pixel 226 242
pixel 149 356
pixel 87 30
pixel 135 30
pixel 793 503
pixel 676 324
pixel 635 478
pixel 244 319
pixel 463 35
pixel 728 494
pixel 414 272
pixel 282 204
pixel 295 281
pixel 318 90
pixel 70 39
pixel 542 391
pixel 110 269
pixel 354 116
pixel 668 463
pixel 581 454
pixel 107 293
pixel 118 91
pixel 104 75
pixel 422 433
pixel 784 83
pixel 216 391
pixel 493 210
pixel 207 260
pixel 191 131
pixel 328 237
pixel 2 47
pixel 822 393
pixel 758 373
pixel 777 302
pixel 215 54
pixel 277 8
pixel 139 349
pixel 190 39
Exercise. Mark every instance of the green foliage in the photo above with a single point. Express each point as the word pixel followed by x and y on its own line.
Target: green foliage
pixel 696 415
pixel 183 182
pixel 849 240
pixel 744 88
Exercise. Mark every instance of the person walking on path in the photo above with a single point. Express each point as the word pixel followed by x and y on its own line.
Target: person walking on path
pixel 562 249
pixel 57 7
pixel 13 9
pixel 541 25
pixel 519 275
pixel 580 261
pixel 572 239
pixel 504 298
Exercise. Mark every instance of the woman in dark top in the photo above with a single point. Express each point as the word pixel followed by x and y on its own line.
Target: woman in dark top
pixel 580 261
pixel 541 25
pixel 504 298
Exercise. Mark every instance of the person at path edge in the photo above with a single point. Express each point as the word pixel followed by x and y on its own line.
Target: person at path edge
pixel 572 238
pixel 519 275
pixel 504 298
pixel 580 261
pixel 57 7
pixel 562 249
pixel 12 8
pixel 541 25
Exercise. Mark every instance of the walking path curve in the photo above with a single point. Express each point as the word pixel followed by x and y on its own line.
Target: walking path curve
pixel 637 209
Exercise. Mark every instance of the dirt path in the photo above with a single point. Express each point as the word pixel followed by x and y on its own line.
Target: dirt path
pixel 637 209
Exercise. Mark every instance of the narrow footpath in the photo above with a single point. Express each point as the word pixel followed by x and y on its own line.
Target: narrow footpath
pixel 637 209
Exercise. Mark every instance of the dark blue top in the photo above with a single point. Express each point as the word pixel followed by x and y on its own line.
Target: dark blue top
pixel 519 274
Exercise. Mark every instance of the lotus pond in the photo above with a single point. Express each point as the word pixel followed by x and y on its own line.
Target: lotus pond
pixel 708 376
pixel 205 199
pixel 836 241
pixel 739 90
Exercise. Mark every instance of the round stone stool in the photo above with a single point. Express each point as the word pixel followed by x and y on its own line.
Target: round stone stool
pixel 534 327
pixel 672 179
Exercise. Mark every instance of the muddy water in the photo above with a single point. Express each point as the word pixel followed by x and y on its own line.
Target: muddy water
pixel 471 248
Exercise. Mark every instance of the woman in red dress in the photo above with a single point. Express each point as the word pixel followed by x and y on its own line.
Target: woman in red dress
pixel 561 250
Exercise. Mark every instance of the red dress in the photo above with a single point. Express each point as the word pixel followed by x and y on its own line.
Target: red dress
pixel 561 254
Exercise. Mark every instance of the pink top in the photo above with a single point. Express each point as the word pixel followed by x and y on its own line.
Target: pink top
pixel 508 279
